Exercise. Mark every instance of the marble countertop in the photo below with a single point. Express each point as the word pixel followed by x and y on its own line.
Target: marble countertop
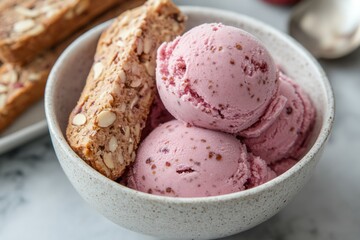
pixel 38 202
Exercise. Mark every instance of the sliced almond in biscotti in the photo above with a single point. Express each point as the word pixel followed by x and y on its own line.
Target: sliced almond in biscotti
pixel 124 67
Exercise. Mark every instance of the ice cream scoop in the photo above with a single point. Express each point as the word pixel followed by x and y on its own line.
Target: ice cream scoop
pixel 285 137
pixel 186 161
pixel 217 77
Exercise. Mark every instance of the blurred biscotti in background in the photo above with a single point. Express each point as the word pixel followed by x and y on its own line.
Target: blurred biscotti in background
pixel 28 27
pixel 23 78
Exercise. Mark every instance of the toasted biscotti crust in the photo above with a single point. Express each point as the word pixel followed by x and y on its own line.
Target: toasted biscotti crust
pixel 29 27
pixel 21 86
pixel 105 126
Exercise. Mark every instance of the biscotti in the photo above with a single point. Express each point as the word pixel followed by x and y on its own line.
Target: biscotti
pixel 29 27
pixel 105 126
pixel 21 86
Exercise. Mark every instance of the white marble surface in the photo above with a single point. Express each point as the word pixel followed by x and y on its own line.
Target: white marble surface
pixel 38 202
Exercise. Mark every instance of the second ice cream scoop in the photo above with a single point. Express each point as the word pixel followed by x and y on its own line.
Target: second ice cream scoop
pixel 284 138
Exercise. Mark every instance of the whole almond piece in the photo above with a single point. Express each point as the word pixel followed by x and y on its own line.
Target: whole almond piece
pixel 137 130
pixel 136 83
pixel 24 25
pixel 121 159
pixel 106 118
pixel 150 68
pixel 140 47
pixel 133 156
pixel 79 119
pixel 108 160
pixel 130 148
pixel 147 45
pixel 113 144
pixel 98 69
pixel 34 76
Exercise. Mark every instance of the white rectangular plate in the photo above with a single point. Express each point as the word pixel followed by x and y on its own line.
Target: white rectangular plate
pixel 29 125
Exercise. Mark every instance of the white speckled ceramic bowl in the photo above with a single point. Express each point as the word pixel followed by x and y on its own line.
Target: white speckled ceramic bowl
pixel 201 218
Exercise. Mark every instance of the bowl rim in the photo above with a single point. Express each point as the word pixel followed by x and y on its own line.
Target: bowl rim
pixel 321 139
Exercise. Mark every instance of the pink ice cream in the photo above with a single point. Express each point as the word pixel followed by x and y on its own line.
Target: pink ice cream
pixel 218 77
pixel 182 161
pixel 158 115
pixel 283 165
pixel 285 137
pixel 216 80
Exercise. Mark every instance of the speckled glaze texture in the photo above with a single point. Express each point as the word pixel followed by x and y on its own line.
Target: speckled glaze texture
pixel 198 218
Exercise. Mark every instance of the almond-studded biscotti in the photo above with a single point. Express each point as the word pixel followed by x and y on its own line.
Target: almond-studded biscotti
pixel 21 86
pixel 30 26
pixel 105 126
